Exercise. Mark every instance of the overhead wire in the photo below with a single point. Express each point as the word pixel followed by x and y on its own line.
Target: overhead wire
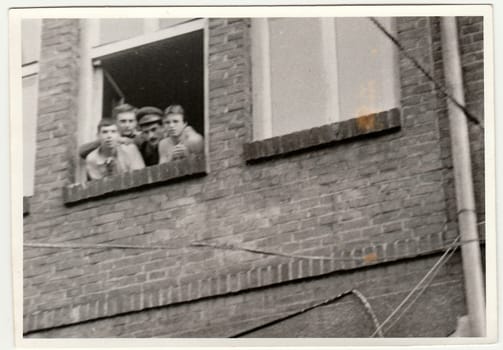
pixel 97 246
pixel 368 258
pixel 439 86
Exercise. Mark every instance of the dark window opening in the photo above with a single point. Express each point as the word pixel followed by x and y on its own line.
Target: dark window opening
pixel 158 74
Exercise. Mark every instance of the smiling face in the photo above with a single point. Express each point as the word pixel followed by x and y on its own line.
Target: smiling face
pixel 174 124
pixel 153 133
pixel 108 136
pixel 127 123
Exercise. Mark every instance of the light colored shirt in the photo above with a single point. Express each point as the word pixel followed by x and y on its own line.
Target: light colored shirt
pixel 189 138
pixel 125 158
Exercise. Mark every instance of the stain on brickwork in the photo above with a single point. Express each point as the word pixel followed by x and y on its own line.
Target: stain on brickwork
pixel 366 123
pixel 386 196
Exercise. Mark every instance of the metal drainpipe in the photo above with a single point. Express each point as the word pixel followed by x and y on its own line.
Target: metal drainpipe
pixel 467 219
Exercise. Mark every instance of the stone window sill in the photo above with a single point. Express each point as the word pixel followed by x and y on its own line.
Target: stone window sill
pixel 372 124
pixel 151 175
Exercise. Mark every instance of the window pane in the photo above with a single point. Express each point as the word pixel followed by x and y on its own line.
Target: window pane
pixel 366 67
pixel 30 93
pixel 169 22
pixel 298 79
pixel 30 39
pixel 114 29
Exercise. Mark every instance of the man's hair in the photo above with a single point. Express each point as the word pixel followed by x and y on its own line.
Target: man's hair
pixel 122 108
pixel 105 122
pixel 175 109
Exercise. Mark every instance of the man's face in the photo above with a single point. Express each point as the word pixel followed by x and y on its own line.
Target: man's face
pixel 153 133
pixel 109 136
pixel 127 123
pixel 174 124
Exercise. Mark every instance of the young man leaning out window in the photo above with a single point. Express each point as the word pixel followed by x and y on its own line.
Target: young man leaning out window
pixel 112 157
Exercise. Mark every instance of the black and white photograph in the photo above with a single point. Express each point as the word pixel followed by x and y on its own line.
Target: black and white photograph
pixel 267 173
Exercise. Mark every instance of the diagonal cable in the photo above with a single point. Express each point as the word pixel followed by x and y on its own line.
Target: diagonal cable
pixel 420 292
pixel 432 272
pixel 369 309
pixel 469 115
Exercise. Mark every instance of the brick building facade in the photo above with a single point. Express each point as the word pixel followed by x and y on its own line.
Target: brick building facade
pixel 174 250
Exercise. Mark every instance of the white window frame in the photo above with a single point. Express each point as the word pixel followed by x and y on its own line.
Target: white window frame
pixel 91 75
pixel 261 76
pixel 261 80
pixel 152 34
pixel 31 70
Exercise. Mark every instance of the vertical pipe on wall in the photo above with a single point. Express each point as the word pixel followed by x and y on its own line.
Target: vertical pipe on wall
pixel 467 219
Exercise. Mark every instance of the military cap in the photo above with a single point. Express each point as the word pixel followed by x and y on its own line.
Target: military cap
pixel 148 115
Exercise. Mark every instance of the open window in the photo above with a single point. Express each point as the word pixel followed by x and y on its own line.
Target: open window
pixel 157 74
pixel 142 62
pixel 308 72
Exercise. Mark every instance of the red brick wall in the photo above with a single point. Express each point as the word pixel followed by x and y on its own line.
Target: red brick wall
pixel 386 195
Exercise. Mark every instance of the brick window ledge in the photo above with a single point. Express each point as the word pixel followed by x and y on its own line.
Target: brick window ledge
pixel 377 123
pixel 148 176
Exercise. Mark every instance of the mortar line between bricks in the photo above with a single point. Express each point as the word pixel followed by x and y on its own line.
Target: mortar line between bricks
pixel 232 293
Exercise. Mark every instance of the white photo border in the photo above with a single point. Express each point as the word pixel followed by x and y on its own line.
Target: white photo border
pixel 16 144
